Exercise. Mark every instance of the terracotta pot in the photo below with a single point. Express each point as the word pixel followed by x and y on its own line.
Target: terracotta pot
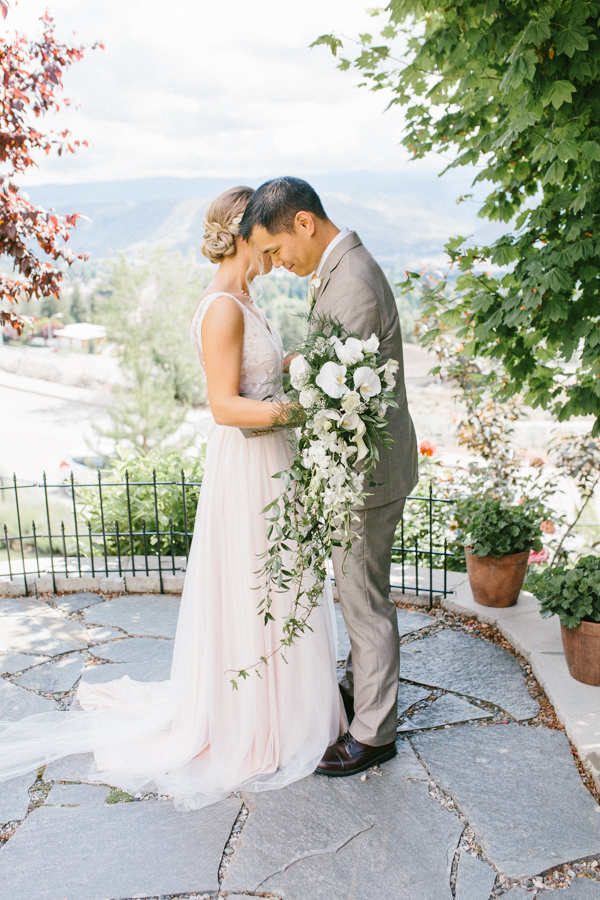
pixel 497 580
pixel 582 651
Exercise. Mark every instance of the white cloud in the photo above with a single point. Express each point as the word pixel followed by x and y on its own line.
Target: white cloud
pixel 220 89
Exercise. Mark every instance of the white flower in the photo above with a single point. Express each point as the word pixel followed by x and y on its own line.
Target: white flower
pixel 372 345
pixel 309 396
pixel 350 352
pixel 320 345
pixel 382 408
pixel 316 456
pixel 332 379
pixel 350 421
pixel 299 372
pixel 313 287
pixel 329 441
pixel 324 419
pixel 367 382
pixel 389 372
pixel 361 447
pixel 351 401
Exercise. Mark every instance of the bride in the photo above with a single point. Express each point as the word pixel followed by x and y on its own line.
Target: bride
pixel 195 737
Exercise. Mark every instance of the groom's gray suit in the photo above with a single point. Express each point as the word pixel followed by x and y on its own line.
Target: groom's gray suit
pixel 355 291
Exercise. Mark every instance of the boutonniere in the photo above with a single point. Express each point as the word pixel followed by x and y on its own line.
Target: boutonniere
pixel 312 290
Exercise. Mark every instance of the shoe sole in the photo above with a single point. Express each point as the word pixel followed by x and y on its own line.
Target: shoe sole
pixel 389 754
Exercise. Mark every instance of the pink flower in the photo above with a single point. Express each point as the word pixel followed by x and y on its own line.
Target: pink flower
pixel 548 526
pixel 426 448
pixel 539 557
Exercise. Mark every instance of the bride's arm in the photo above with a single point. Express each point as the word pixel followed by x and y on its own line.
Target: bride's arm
pixel 222 343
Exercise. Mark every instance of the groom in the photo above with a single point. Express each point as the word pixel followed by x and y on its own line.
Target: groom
pixel 286 220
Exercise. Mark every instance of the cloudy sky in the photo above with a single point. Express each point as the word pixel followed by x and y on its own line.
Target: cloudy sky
pixel 215 87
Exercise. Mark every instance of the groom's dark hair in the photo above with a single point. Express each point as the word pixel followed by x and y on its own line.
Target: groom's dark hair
pixel 275 203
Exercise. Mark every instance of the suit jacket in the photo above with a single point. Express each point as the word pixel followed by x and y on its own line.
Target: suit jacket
pixel 355 291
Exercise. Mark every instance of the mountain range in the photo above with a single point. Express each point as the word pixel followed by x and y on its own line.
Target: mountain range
pixel 403 217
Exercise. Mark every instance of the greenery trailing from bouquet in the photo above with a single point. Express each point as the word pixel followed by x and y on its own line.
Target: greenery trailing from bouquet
pixel 343 388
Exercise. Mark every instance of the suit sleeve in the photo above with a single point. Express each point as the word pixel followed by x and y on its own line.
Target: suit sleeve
pixel 355 305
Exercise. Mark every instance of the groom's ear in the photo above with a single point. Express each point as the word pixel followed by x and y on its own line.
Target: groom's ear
pixel 305 223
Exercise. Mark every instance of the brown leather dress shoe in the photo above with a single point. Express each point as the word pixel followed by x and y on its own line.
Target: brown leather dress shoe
pixel 348 757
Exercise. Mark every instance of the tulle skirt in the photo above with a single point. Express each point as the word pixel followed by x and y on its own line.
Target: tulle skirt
pixel 195 737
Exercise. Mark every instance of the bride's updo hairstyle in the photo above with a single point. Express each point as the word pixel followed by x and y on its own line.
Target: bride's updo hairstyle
pixel 222 223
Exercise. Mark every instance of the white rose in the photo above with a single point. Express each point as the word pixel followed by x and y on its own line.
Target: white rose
pixel 351 401
pixel 372 345
pixel 299 372
pixel 332 379
pixel 309 396
pixel 367 382
pixel 350 352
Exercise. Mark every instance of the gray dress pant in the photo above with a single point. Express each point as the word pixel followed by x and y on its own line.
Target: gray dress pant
pixel 373 664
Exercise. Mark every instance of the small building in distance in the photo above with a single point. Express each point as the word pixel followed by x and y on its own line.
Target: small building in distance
pixel 79 336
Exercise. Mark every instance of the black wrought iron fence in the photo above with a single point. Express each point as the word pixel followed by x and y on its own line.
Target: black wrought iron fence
pixel 144 527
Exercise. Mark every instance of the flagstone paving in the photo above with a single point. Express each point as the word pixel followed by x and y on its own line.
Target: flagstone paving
pixel 11 663
pixel 14 797
pixel 475 879
pixel 54 677
pixel 502 777
pixel 409 694
pixel 77 795
pixel 122 850
pixel 152 615
pixel 16 702
pixel 488 809
pixel 448 710
pixel 468 665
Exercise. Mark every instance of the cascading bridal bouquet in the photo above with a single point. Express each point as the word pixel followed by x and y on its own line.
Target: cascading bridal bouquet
pixel 342 388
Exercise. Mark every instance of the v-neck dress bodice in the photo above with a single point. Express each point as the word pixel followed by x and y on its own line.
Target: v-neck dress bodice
pixel 262 353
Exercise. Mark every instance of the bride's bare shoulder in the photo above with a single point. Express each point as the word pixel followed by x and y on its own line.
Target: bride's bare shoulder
pixel 224 317
pixel 220 306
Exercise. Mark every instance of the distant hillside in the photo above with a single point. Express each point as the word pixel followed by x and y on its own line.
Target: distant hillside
pixel 404 219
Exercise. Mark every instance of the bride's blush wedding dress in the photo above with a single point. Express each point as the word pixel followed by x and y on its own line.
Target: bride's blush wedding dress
pixel 195 737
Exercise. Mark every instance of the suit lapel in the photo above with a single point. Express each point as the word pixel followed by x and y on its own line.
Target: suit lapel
pixel 351 241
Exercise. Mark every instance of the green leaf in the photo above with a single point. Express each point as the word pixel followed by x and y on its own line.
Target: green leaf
pixel 555 172
pixel 590 150
pixel 522 67
pixel 571 39
pixel 329 40
pixel 558 93
pixel 580 201
pixel 536 33
pixel 567 150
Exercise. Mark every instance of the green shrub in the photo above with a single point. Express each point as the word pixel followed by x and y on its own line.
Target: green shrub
pixel 571 594
pixel 168 466
pixel 497 530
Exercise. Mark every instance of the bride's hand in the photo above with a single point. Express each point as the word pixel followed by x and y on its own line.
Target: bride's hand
pixel 289 413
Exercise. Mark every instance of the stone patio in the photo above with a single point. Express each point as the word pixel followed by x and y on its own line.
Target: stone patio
pixel 483 800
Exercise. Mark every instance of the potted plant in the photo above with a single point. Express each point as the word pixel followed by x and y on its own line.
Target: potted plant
pixel 497 548
pixel 574 596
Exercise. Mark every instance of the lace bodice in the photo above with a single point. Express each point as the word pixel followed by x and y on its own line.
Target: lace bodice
pixel 262 354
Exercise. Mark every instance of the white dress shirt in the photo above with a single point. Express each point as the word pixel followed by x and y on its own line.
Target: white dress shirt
pixel 339 237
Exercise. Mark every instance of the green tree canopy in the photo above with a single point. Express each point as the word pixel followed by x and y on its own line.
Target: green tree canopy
pixel 513 87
